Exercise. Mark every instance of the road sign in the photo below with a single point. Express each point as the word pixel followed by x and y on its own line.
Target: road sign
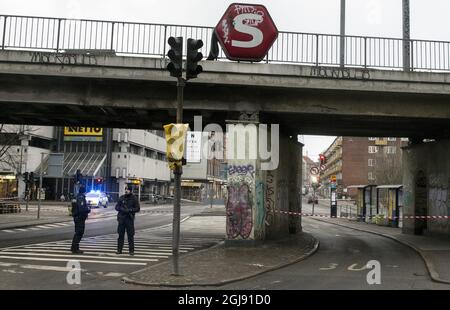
pixel 246 32
pixel 314 170
pixel 323 167
pixel 193 146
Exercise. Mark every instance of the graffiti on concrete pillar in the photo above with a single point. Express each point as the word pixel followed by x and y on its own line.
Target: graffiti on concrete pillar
pixel 282 195
pixel 260 211
pixel 270 199
pixel 241 170
pixel 239 211
pixel 439 202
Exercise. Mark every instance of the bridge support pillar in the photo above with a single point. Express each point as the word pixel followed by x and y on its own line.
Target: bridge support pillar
pixel 426 188
pixel 261 195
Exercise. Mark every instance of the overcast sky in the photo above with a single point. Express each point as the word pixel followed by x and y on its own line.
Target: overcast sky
pixel 429 19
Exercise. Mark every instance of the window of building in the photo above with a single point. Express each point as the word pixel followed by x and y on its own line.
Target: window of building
pixel 370 176
pixel 134 149
pixel 373 149
pixel 392 139
pixel 372 138
pixel 404 139
pixel 391 150
pixel 371 162
pixel 116 147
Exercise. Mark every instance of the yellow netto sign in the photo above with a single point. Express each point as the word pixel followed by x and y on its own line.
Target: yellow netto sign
pixel 83 131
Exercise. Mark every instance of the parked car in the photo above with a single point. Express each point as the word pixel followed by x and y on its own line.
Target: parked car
pixel 97 199
pixel 313 198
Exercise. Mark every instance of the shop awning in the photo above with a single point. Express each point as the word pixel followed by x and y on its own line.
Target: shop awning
pixel 88 163
pixel 390 186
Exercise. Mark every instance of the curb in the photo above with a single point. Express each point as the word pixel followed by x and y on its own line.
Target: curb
pixel 434 275
pixel 303 257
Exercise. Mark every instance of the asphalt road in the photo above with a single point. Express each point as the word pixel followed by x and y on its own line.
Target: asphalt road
pixel 340 263
pixel 39 259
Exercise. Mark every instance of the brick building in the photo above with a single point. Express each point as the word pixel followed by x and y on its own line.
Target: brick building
pixel 362 161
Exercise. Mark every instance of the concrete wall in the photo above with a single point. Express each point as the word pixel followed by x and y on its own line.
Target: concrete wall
pixel 258 200
pixel 426 182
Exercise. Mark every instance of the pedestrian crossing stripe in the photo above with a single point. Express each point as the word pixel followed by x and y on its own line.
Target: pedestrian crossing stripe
pixel 98 250
pixel 98 218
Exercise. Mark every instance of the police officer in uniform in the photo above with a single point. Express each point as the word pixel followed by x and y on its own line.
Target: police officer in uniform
pixel 127 206
pixel 80 211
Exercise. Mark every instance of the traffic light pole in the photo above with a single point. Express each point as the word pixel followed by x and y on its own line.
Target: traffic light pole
pixel 177 190
pixel 40 186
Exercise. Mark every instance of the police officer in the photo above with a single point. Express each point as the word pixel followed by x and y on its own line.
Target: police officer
pixel 127 206
pixel 80 211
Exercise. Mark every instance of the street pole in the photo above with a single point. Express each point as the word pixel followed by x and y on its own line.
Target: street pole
pixel 342 36
pixel 40 185
pixel 314 197
pixel 177 190
pixel 406 36
pixel 139 192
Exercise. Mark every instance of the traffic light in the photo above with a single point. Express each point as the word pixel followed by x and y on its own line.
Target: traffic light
pixel 26 177
pixel 175 141
pixel 192 57
pixel 99 180
pixel 176 56
pixel 323 159
pixel 31 177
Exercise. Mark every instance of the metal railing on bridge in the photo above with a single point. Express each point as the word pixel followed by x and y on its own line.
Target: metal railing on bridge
pixel 150 40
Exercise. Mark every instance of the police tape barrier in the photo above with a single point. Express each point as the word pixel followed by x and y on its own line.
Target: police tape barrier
pixel 423 217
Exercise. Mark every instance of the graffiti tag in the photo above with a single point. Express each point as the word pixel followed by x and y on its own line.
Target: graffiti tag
pixel 340 73
pixel 63 58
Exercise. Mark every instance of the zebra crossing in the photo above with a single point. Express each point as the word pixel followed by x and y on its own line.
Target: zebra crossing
pixel 96 218
pixel 98 251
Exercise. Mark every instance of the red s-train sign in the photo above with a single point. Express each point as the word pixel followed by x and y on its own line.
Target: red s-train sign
pixel 246 32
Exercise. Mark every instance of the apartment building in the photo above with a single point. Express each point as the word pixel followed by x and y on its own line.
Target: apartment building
pixel 362 161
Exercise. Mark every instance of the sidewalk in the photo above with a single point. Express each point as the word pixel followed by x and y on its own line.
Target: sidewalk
pixel 222 264
pixel 434 251
pixel 29 218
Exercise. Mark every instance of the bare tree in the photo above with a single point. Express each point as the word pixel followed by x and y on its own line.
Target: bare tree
pixel 388 168
pixel 10 138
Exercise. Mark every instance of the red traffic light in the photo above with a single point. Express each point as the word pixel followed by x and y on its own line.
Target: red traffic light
pixel 98 180
pixel 322 158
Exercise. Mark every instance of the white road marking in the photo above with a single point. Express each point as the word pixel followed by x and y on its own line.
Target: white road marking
pixel 353 267
pixel 114 274
pixel 95 247
pixel 117 257
pixel 51 226
pixel 80 260
pixel 113 252
pixel 330 267
pixel 49 268
pixel 12 271
pixel 7 231
pixel 20 229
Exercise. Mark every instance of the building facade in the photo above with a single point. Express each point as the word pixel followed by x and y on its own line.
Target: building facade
pixel 21 150
pixel 108 159
pixel 362 161
pixel 307 164
pixel 205 179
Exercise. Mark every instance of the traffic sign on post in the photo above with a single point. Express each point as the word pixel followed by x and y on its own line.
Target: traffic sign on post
pixel 314 170
pixel 246 32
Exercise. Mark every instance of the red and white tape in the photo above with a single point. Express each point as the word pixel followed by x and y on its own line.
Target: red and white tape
pixel 357 217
